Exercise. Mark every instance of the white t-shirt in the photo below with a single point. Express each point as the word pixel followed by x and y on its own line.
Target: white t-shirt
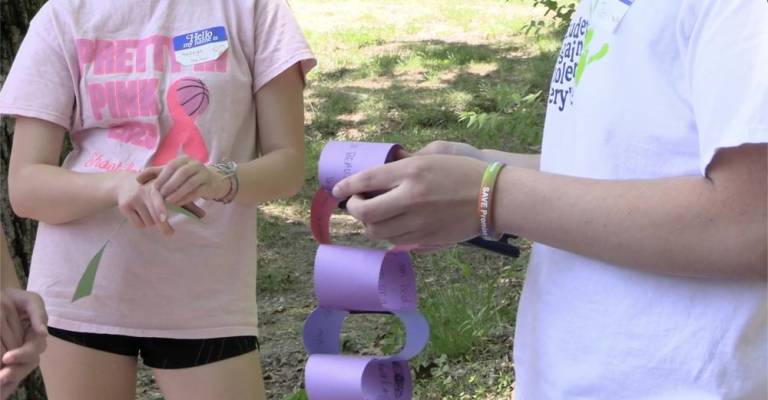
pixel 657 97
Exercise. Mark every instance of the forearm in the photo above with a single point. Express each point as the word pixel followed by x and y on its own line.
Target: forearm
pixel 682 226
pixel 278 174
pixel 55 195
pixel 520 160
pixel 40 189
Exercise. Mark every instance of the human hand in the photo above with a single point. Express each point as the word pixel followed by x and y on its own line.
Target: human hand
pixel 12 331
pixel 429 200
pixel 185 180
pixel 24 335
pixel 142 204
pixel 442 147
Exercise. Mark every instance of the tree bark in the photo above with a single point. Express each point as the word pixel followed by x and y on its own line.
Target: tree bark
pixel 14 20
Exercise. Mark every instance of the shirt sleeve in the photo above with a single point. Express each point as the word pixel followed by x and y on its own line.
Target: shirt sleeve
pixel 40 83
pixel 727 60
pixel 279 43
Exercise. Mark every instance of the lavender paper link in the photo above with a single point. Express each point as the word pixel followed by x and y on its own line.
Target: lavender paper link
pixel 342 159
pixel 357 378
pixel 360 279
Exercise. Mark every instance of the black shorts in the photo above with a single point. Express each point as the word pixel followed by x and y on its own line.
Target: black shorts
pixel 163 353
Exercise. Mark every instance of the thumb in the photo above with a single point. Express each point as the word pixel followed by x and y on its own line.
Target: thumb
pixel 377 179
pixel 32 305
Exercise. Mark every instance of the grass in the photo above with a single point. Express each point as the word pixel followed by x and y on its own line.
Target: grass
pixel 410 72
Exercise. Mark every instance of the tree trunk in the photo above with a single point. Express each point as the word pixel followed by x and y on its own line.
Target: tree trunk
pixel 14 20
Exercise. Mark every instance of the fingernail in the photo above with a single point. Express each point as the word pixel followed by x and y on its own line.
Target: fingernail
pixel 163 217
pixel 44 329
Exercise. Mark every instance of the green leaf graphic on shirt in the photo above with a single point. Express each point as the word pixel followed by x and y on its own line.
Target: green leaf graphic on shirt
pixel 586 59
pixel 85 286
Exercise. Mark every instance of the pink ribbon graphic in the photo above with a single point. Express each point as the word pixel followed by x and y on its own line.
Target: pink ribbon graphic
pixel 187 98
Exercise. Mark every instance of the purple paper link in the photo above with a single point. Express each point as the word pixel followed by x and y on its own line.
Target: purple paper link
pixel 360 279
pixel 322 332
pixel 416 334
pixel 347 278
pixel 339 160
pixel 387 380
pixel 334 377
pixel 329 377
pixel 397 282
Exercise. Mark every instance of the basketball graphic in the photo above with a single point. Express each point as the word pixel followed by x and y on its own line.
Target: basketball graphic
pixel 193 96
pixel 187 99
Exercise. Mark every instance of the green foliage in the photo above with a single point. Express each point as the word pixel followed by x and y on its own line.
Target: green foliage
pixel 476 380
pixel 297 395
pixel 461 316
pixel 558 12
pixel 275 280
pixel 515 115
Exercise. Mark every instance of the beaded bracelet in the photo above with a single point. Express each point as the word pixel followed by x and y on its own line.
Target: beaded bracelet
pixel 485 201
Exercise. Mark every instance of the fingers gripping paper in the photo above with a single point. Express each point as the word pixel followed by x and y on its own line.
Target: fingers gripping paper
pixel 359 280
pixel 339 160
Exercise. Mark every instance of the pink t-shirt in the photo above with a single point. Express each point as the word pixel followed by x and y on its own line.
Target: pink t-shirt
pixel 138 83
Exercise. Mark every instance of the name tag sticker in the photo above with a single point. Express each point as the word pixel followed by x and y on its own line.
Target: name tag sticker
pixel 200 46
pixel 607 14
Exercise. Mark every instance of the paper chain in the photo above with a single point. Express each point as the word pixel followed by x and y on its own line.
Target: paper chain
pixel 357 280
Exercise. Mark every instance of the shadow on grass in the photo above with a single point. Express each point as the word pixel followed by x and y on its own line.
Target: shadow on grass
pixel 436 85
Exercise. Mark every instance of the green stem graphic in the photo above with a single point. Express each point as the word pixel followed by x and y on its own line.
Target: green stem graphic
pixel 85 285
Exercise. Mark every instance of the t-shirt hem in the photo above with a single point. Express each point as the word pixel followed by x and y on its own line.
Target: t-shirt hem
pixel 35 113
pixel 191 333
pixel 756 135
pixel 306 58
